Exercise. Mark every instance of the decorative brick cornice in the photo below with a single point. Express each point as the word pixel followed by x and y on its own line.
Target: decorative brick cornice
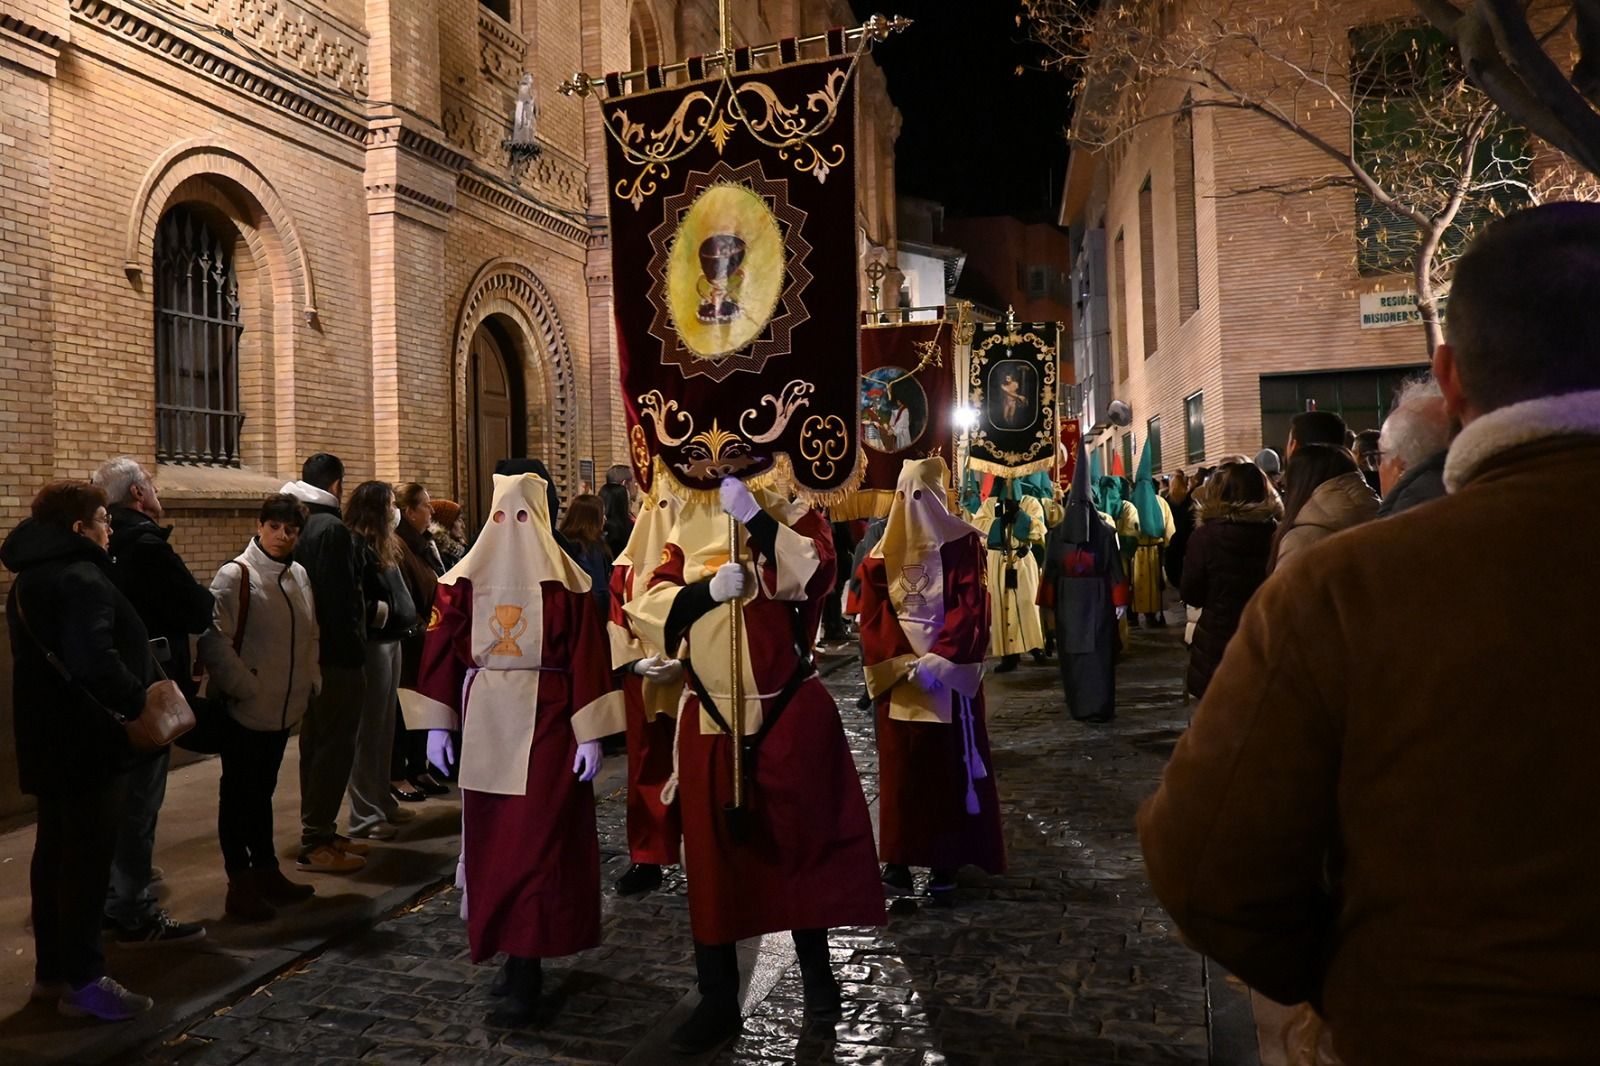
pixel 297 34
pixel 410 195
pixel 38 35
pixel 392 131
pixel 29 45
pixel 492 25
pixel 131 25
pixel 501 50
pixel 502 199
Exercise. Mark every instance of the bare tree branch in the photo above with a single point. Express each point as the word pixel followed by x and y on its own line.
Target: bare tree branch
pixel 1425 144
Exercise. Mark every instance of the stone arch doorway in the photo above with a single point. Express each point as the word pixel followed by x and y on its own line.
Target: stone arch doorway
pixel 497 422
pixel 521 318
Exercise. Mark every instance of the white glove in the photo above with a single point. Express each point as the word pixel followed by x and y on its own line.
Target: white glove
pixel 657 670
pixel 1122 612
pixel 728 582
pixel 587 763
pixel 442 750
pixel 737 501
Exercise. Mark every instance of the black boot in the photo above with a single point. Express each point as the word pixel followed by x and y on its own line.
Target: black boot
pixel 896 880
pixel 716 1017
pixel 502 980
pixel 816 973
pixel 524 979
pixel 1008 664
pixel 640 878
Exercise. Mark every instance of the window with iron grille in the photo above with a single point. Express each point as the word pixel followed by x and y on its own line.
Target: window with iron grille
pixel 197 344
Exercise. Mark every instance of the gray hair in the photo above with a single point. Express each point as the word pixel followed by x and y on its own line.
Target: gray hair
pixel 1418 425
pixel 117 477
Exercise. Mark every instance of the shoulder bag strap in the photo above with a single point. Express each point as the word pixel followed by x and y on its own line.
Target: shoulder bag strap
pixel 244 606
pixel 60 667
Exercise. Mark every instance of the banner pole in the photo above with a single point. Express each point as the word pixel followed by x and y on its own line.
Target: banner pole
pixel 736 710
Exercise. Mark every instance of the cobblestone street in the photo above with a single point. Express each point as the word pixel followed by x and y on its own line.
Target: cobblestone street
pixel 1067 959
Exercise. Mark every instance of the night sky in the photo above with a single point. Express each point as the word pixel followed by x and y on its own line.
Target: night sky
pixel 977 137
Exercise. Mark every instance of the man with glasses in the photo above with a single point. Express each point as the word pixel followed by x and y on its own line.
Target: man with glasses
pixel 172 605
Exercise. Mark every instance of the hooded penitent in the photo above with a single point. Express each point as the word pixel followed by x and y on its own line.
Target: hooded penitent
pixel 1111 496
pixel 1152 523
pixel 658 513
pixel 514 555
pixel 1082 507
pixel 918 527
pixel 700 537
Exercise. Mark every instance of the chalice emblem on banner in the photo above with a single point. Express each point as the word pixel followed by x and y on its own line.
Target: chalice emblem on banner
pixel 508 625
pixel 721 255
pixel 914 578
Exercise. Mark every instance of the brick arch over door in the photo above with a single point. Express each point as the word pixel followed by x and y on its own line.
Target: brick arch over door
pixel 191 159
pixel 512 292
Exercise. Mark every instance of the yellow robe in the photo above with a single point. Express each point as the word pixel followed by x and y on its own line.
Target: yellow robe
pixel 1014 626
pixel 1148 581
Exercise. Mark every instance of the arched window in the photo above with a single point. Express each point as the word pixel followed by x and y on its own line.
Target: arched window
pixel 197 344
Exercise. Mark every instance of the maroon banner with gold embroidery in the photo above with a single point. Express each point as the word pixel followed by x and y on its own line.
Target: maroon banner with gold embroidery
pixel 1071 435
pixel 907 398
pixel 733 251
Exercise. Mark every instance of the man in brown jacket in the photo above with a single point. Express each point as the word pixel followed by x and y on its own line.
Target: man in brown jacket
pixel 1387 803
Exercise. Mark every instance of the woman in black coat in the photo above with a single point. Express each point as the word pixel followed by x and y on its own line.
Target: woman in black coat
pixel 1226 560
pixel 72 754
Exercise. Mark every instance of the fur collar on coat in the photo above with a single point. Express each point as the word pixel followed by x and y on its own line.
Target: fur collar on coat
pixel 1529 422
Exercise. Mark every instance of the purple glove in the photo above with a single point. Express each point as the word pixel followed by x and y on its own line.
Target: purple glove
pixel 587 764
pixel 923 678
pixel 442 750
pixel 737 501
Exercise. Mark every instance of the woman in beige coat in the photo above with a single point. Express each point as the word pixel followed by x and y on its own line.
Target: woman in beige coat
pixel 1324 493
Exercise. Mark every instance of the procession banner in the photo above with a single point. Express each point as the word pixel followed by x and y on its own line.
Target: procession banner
pixel 907 398
pixel 1071 435
pixel 1013 387
pixel 733 252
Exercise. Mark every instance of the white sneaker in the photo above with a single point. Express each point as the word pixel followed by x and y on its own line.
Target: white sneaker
pixel 376 831
pixel 103 999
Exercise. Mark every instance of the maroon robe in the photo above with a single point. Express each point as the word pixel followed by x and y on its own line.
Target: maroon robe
pixel 653 826
pixel 532 861
pixel 923 816
pixel 808 861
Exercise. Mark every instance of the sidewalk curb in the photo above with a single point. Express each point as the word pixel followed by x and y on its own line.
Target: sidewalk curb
pixel 123 1045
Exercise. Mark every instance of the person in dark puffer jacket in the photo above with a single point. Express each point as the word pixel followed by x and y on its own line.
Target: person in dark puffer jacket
pixel 328 732
pixel 71 753
pixel 174 607
pixel 1226 560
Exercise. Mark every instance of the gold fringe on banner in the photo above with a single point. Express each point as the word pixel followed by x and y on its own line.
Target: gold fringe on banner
pixel 779 478
pixel 983 466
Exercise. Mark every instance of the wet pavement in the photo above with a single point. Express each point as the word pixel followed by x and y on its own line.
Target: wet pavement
pixel 1066 959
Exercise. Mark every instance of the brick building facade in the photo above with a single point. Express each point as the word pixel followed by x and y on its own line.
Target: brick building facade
pixel 235 232
pixel 1217 312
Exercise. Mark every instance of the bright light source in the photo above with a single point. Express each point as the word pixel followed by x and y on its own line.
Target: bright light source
pixel 966 417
